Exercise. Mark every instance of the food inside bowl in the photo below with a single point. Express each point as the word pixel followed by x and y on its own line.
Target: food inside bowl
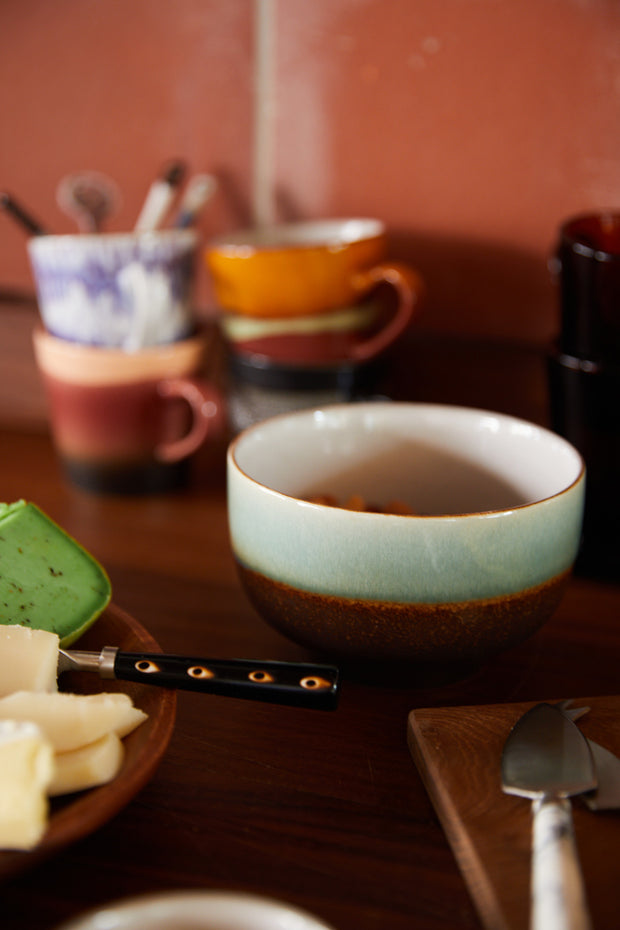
pixel 359 503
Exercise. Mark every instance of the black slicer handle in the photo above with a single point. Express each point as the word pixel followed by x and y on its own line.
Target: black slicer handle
pixel 298 684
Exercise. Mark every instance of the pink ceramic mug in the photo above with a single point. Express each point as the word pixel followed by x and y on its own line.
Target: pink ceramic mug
pixel 127 422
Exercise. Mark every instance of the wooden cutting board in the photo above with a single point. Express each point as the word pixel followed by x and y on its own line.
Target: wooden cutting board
pixel 457 751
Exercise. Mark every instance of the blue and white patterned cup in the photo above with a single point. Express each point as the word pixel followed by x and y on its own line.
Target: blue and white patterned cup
pixel 116 290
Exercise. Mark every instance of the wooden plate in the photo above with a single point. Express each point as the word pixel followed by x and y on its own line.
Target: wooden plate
pixel 77 815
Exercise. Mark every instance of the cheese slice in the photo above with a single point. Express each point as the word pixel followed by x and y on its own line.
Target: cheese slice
pixel 48 581
pixel 28 660
pixel 26 771
pixel 86 767
pixel 69 721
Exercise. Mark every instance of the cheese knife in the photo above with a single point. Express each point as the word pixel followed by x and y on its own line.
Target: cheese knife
pixel 298 684
pixel 547 759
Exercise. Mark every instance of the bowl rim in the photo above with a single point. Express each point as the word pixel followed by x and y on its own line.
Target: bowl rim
pixel 226 906
pixel 231 456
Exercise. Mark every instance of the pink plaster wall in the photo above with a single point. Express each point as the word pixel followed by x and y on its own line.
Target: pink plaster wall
pixel 472 127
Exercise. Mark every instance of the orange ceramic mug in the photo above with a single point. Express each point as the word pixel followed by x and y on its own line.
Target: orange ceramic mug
pixel 305 271
pixel 127 422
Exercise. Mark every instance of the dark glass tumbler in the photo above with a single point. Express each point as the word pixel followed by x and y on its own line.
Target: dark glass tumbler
pixel 584 376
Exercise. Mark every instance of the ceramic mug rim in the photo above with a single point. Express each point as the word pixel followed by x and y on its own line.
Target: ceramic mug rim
pixel 174 359
pixel 79 240
pixel 329 234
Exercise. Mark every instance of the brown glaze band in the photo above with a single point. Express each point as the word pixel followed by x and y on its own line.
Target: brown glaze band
pixel 469 631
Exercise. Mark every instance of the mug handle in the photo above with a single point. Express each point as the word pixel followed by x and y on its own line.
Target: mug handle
pixel 409 288
pixel 206 406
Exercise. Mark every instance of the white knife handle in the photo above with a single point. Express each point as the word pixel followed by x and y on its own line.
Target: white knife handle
pixel 558 896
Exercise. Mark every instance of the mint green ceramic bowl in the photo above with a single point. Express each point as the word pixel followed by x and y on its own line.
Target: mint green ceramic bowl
pixel 481 565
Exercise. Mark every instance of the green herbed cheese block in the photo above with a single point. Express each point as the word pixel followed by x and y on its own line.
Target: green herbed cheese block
pixel 48 581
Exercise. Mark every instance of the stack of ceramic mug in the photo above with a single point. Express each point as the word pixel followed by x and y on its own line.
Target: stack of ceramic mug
pixel 308 311
pixel 121 357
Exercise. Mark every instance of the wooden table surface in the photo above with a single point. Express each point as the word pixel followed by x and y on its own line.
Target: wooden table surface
pixel 326 811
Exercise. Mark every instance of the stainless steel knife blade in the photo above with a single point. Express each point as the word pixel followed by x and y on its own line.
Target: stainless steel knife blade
pixel 547 759
pixel 606 796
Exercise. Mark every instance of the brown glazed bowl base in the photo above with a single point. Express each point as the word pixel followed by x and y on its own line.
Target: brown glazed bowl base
pixel 460 635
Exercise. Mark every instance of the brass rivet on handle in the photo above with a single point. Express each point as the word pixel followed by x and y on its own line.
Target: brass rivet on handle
pixel 200 671
pixel 315 683
pixel 147 666
pixel 260 676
